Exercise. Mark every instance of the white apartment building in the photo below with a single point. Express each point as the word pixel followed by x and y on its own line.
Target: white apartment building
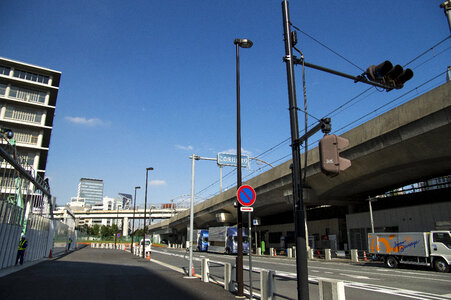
pixel 28 96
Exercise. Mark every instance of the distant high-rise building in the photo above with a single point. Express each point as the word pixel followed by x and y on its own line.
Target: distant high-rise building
pixel 91 190
pixel 28 98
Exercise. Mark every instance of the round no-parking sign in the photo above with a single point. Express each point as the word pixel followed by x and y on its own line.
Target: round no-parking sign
pixel 246 195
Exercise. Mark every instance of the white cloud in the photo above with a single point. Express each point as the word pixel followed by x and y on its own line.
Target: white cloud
pixel 157 182
pixel 87 122
pixel 233 151
pixel 189 147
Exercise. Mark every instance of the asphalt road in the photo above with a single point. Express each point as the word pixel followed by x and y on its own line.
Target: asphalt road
pixel 362 281
pixel 104 274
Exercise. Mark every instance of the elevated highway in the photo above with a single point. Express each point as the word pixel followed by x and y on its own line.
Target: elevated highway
pixel 407 144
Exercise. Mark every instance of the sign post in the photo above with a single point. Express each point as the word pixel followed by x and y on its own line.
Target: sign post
pixel 246 196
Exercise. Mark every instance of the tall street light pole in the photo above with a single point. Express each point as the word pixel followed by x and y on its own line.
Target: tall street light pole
pixel 145 208
pixel 243 43
pixel 133 224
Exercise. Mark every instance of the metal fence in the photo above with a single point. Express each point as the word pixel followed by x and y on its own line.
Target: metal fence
pixel 25 207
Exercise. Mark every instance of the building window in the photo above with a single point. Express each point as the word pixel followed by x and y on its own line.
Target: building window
pixel 25 158
pixel 27 95
pixel 31 76
pixel 23 115
pixel 4 70
pixel 2 89
pixel 23 137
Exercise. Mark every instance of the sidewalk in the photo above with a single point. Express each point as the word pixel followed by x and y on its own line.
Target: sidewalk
pixel 104 274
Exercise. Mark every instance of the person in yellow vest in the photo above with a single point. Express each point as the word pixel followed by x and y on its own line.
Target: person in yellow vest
pixel 23 243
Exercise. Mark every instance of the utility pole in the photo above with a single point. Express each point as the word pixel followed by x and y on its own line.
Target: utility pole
pixel 298 203
pixel 447 8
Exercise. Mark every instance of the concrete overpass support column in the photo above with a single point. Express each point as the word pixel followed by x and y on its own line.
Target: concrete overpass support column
pixel 354 255
pixel 228 277
pixel 125 224
pixel 331 289
pixel 267 284
pixel 205 270
pixel 327 254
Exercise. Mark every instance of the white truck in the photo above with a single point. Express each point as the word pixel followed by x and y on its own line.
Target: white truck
pixel 224 239
pixel 148 246
pixel 416 248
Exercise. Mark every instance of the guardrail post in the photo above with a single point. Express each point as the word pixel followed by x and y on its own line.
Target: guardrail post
pixel 228 277
pixel 327 254
pixel 205 270
pixel 354 255
pixel 259 251
pixel 267 284
pixel 330 289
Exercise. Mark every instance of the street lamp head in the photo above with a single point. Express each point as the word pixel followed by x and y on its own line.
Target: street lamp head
pixel 137 187
pixel 149 169
pixel 243 43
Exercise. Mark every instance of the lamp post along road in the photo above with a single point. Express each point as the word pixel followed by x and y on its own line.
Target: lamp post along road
pixel 145 208
pixel 133 223
pixel 243 43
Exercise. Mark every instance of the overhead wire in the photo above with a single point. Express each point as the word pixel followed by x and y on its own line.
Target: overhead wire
pixel 339 109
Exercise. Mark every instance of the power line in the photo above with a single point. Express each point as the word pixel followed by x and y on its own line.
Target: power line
pixel 397 98
pixel 328 48
pixel 430 49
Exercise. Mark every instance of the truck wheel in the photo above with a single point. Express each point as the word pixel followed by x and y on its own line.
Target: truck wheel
pixel 440 265
pixel 391 262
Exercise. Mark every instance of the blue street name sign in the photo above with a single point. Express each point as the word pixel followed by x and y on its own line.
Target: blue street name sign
pixel 225 159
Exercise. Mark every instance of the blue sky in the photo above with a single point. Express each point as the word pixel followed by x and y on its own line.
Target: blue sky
pixel 148 83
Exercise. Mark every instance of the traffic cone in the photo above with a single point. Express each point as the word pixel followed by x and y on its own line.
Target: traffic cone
pixel 275 252
pixel 192 272
pixel 50 254
pixel 364 256
pixel 319 254
pixel 148 256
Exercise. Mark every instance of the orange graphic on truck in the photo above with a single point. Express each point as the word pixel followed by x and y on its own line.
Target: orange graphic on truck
pixel 398 247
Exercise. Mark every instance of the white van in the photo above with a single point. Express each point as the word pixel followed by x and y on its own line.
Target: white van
pixel 148 246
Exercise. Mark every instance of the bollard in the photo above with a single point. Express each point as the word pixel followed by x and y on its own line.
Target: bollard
pixel 271 251
pixel 327 254
pixel 354 255
pixel 290 252
pixel 259 251
pixel 205 270
pixel 310 253
pixel 267 284
pixel 228 277
pixel 330 289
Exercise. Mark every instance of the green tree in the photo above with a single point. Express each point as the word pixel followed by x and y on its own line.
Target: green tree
pixel 95 229
pixel 114 229
pixel 105 231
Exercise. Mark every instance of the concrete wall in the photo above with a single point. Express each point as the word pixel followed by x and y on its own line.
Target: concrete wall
pixel 404 219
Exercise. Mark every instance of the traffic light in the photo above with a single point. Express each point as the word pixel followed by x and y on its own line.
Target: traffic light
pixel 385 73
pixel 331 162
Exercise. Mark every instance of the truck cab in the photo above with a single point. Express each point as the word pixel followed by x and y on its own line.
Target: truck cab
pixel 440 247
pixel 202 241
pixel 148 245
pixel 232 242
